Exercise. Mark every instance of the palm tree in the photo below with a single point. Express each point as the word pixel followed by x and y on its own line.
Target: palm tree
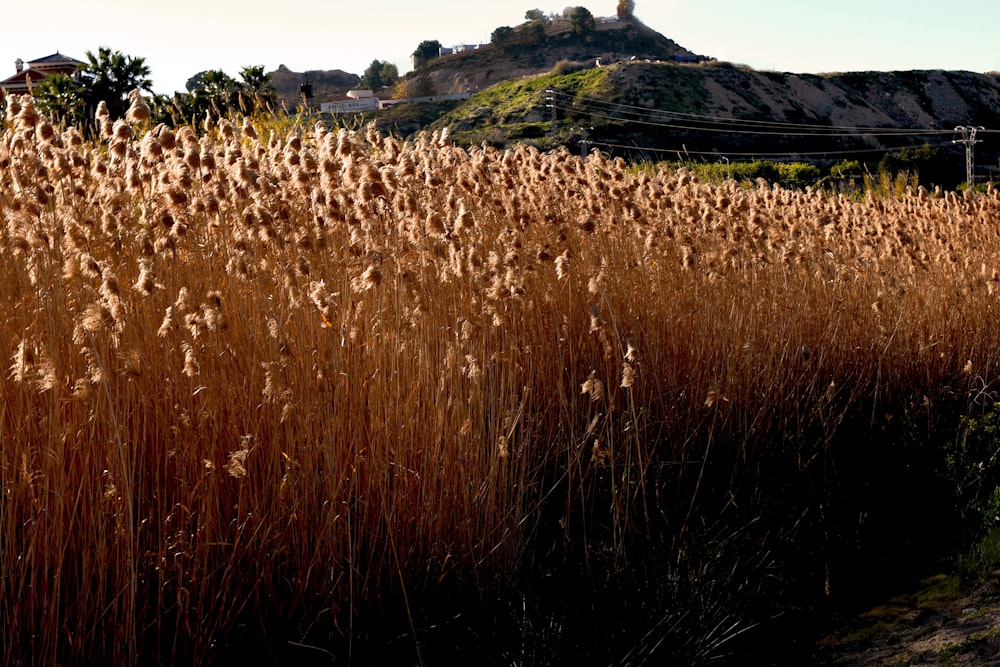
pixel 214 93
pixel 256 92
pixel 113 76
pixel 60 98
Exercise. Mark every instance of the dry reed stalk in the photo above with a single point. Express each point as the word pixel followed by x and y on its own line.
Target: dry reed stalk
pixel 349 367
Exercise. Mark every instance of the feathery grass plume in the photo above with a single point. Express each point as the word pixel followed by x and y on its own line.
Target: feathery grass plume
pixel 595 318
pixel 27 116
pixel 45 131
pixel 628 375
pixel 562 264
pixel 207 158
pixel 96 317
pixel 247 129
pixel 167 324
pixel 191 367
pixel 370 278
pixel 596 283
pixel 138 111
pixel 23 362
pixel 471 368
pixel 593 387
pixel 236 465
pixel 192 157
pixel 14 106
pixel 226 130
pixel 166 137
pixel 33 366
pixel 103 118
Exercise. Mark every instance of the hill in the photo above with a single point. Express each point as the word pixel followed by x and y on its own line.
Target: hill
pixel 532 48
pixel 536 47
pixel 630 91
pixel 326 83
pixel 715 109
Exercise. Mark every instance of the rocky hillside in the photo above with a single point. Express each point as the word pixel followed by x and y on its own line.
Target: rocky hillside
pixel 530 49
pixel 537 47
pixel 707 111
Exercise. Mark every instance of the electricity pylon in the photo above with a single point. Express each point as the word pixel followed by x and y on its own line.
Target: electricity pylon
pixel 969 139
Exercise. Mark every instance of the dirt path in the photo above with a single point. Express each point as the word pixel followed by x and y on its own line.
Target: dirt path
pixel 939 624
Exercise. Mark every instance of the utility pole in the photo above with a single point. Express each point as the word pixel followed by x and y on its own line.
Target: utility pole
pixel 969 140
pixel 584 142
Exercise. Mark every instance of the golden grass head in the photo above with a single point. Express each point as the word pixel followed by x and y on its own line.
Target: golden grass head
pixel 27 116
pixel 103 117
pixel 138 111
pixel 14 105
pixel 248 130
pixel 628 375
pixel 593 387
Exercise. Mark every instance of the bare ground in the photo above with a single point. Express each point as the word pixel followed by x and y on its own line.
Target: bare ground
pixel 939 624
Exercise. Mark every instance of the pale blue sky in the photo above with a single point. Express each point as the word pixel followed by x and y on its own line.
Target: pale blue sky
pixel 182 37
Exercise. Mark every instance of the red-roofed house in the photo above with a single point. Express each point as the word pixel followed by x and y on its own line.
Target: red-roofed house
pixel 37 70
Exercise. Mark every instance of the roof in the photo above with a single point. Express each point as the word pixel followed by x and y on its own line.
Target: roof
pixel 56 59
pixel 41 68
pixel 18 79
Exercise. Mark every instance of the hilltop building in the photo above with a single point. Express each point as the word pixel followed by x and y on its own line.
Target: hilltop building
pixel 25 77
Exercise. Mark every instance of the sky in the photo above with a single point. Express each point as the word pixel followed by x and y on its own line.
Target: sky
pixel 182 37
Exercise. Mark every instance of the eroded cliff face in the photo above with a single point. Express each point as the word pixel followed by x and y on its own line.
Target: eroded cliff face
pixel 914 99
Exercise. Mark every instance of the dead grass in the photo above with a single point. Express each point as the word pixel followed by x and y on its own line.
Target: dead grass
pixel 262 367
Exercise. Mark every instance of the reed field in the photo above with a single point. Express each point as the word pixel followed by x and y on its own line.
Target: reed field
pixel 269 387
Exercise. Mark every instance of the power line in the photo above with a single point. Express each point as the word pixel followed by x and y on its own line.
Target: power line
pixel 578 103
pixel 789 154
pixel 734 128
pixel 692 122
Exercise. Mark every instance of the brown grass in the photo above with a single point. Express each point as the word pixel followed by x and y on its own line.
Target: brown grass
pixel 316 371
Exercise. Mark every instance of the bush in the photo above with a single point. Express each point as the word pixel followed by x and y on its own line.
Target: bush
pixel 570 66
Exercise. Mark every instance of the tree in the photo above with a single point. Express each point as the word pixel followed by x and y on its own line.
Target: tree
pixel 389 74
pixel 215 93
pixel 533 15
pixel 195 82
pixel 426 51
pixel 422 86
pixel 60 98
pixel 532 32
pixel 255 92
pixel 113 76
pixel 379 75
pixel 168 110
pixel 626 9
pixel 401 90
pixel 502 35
pixel 581 20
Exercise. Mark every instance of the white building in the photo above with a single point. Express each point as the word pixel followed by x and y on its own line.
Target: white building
pixel 354 100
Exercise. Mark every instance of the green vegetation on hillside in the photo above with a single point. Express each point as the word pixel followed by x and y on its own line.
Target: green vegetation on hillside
pixel 495 115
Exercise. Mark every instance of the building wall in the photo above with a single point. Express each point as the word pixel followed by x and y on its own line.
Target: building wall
pixel 349 105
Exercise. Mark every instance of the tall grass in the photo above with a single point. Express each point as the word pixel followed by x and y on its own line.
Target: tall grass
pixel 313 382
